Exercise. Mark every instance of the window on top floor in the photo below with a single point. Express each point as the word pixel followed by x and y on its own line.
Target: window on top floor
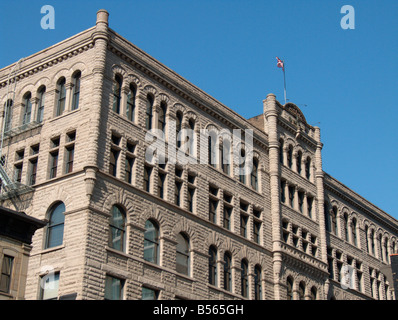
pixel 61 96
pixel 27 108
pixel 76 90
pixel 117 93
pixel 40 107
pixel 8 115
pixel 162 117
pixel 130 108
pixel 149 111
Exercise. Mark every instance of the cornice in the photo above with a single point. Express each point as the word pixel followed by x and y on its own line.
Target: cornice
pixel 181 87
pixel 383 218
pixel 40 65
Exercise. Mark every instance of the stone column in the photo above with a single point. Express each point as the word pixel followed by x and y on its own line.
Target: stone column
pixel 319 176
pixel 271 114
pixel 100 39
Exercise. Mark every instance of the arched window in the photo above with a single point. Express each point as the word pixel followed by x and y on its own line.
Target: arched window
pixel 313 293
pixel 61 96
pixel 308 168
pixel 117 228
pixel 290 156
pixel 226 156
pixel 130 108
pixel 346 226
pixel 227 271
pixel 354 232
pixel 281 151
pixel 298 161
pixel 254 174
pixel 117 93
pixel 367 239
pixel 8 115
pixel 333 220
pixel 76 90
pixel 148 111
pixel 301 291
pixel 372 242
pixel 162 116
pixel 190 139
pixel 386 253
pixel 242 175
pixel 179 117
pixel 183 255
pixel 289 288
pixel 55 226
pixel 212 154
pixel 213 265
pixel 40 107
pixel 151 242
pixel 380 247
pixel 27 108
pixel 244 278
pixel 257 283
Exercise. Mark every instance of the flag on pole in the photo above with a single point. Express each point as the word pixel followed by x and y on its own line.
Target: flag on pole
pixel 280 64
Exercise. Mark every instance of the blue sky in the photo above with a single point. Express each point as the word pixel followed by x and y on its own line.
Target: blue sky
pixel 345 81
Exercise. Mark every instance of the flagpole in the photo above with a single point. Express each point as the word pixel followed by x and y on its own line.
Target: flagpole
pixel 284 79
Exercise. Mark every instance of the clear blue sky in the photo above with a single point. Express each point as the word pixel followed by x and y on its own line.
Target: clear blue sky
pixel 345 81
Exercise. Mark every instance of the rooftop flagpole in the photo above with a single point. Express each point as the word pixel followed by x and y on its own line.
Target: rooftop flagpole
pixel 281 64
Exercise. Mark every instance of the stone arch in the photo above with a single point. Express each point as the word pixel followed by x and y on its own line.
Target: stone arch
pixel 64 72
pixel 184 226
pixel 78 66
pixel 179 107
pixel 58 194
pixel 214 238
pixel 118 197
pixel 116 69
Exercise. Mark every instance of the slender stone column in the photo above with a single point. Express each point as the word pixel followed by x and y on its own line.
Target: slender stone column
pixel 271 114
pixel 100 38
pixel 319 177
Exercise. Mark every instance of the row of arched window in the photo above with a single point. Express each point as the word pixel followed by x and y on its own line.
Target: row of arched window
pixel 299 291
pixel 345 226
pixel 218 156
pixel 33 105
pixel 295 161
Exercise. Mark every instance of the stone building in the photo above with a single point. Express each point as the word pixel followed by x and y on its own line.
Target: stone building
pixel 123 227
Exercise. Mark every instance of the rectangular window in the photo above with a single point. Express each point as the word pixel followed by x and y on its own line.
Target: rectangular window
pixel 128 169
pixel 227 217
pixel 53 164
pixel 70 154
pixel 18 172
pixel 149 294
pixel 113 288
pixel 161 180
pixel 256 231
pixel 20 155
pixel 147 178
pixel 49 285
pixel 243 225
pixel 35 149
pixel 213 204
pixel 114 155
pixel 32 171
pixel 6 272
pixel 177 193
pixel 191 195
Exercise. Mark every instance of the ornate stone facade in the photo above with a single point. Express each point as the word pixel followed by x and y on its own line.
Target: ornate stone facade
pixel 274 233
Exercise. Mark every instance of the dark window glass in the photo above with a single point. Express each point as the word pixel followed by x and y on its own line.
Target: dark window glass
pixel 6 272
pixel 55 226
pixel 61 97
pixel 151 242
pixel 76 90
pixel 117 228
pixel 117 93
